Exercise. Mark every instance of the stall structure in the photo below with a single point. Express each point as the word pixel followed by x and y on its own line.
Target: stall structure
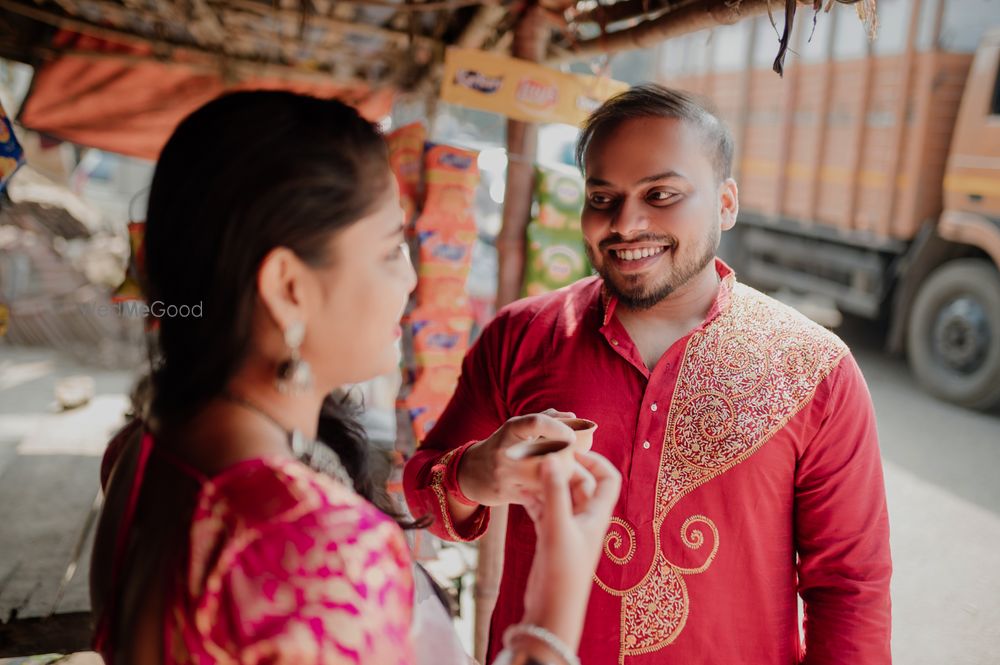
pixel 119 74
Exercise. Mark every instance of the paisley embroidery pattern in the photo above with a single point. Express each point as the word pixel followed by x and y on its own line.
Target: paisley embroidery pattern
pixel 743 377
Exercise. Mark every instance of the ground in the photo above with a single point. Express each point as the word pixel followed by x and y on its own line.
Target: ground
pixel 941 465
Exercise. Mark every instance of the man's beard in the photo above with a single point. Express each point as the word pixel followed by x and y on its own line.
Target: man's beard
pixel 635 296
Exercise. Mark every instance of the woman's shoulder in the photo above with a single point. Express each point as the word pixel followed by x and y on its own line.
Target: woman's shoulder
pixel 268 509
pixel 277 493
pixel 285 559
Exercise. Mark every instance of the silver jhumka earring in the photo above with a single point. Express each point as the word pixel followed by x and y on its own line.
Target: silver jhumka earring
pixel 294 374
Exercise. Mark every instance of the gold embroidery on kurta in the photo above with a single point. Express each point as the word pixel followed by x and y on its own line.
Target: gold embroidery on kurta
pixel 619 549
pixel 741 380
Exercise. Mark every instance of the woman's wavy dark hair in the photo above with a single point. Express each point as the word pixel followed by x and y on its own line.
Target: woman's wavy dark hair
pixel 340 429
pixel 242 175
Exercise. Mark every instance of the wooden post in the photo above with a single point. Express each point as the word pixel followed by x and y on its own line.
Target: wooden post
pixel 788 119
pixel 893 186
pixel 530 41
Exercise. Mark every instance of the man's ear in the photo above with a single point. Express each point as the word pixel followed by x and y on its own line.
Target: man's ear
pixel 729 203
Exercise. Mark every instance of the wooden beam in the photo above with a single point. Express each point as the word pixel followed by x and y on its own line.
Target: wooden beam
pixel 433 6
pixel 624 11
pixel 531 36
pixel 481 27
pixel 396 37
pixel 679 21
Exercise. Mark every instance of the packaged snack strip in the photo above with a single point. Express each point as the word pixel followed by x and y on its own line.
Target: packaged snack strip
pixel 452 177
pixel 555 258
pixel 441 332
pixel 452 204
pixel 11 152
pixel 406 147
pixel 430 396
pixel 445 251
pixel 559 197
pixel 446 293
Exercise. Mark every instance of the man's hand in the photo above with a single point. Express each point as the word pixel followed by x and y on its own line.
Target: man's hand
pixel 490 477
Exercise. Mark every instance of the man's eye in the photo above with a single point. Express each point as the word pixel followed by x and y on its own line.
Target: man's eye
pixel 600 201
pixel 661 196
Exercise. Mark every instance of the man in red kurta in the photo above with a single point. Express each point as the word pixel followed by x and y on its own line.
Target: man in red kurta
pixel 743 431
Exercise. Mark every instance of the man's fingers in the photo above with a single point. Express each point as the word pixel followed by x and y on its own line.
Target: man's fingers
pixel 553 413
pixel 537 425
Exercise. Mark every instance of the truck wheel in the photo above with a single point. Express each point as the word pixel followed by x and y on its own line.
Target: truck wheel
pixel 953 337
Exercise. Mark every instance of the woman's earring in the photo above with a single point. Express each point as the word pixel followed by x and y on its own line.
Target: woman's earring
pixel 294 374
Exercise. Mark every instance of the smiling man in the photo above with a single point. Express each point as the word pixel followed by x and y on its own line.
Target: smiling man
pixel 744 432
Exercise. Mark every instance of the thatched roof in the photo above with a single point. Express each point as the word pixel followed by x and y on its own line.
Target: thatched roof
pixel 379 43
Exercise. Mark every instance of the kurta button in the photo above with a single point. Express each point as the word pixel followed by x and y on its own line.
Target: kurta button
pixel 615 342
pixel 653 407
pixel 645 444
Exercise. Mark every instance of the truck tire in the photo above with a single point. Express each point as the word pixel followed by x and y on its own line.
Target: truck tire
pixel 953 335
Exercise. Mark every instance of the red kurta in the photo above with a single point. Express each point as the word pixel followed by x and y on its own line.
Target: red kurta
pixel 751 472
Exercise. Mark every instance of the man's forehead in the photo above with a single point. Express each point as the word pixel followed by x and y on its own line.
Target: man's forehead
pixel 640 149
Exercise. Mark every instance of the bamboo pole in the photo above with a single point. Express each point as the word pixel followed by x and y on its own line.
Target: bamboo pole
pixel 530 41
pixel 788 124
pixel 860 136
pixel 674 22
pixel 893 187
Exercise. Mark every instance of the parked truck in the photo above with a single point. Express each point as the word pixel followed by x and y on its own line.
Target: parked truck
pixel 869 173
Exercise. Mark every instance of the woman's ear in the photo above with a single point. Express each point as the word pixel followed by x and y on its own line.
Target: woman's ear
pixel 729 203
pixel 281 287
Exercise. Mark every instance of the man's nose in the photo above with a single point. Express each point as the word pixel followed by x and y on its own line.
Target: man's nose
pixel 630 218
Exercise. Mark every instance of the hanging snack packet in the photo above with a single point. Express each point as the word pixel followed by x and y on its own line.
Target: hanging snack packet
pixel 555 258
pixel 559 198
pixel 406 152
pixel 445 251
pixel 440 338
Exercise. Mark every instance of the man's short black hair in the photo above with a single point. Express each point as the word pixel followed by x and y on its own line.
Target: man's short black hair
pixel 656 101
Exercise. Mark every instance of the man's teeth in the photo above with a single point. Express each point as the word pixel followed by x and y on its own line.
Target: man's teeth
pixel 636 254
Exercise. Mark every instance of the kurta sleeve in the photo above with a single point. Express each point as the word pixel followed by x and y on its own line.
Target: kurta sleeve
pixel 842 529
pixel 475 411
pixel 338 590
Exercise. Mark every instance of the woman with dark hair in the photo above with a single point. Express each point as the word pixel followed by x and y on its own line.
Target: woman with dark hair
pixel 274 254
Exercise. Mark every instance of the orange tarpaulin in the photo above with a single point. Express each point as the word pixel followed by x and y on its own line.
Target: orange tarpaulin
pixel 124 104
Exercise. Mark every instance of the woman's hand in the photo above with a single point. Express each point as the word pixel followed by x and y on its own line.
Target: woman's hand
pixel 571 521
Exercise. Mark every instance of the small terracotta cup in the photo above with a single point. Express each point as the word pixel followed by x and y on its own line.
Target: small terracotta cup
pixel 533 451
pixel 584 431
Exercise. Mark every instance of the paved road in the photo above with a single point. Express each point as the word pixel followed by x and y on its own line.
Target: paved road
pixel 942 467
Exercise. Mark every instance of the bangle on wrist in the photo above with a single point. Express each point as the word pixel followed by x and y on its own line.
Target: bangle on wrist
pixel 451 461
pixel 543 636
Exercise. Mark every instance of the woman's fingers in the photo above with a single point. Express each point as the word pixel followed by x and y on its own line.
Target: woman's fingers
pixel 555 488
pixel 582 486
pixel 608 483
